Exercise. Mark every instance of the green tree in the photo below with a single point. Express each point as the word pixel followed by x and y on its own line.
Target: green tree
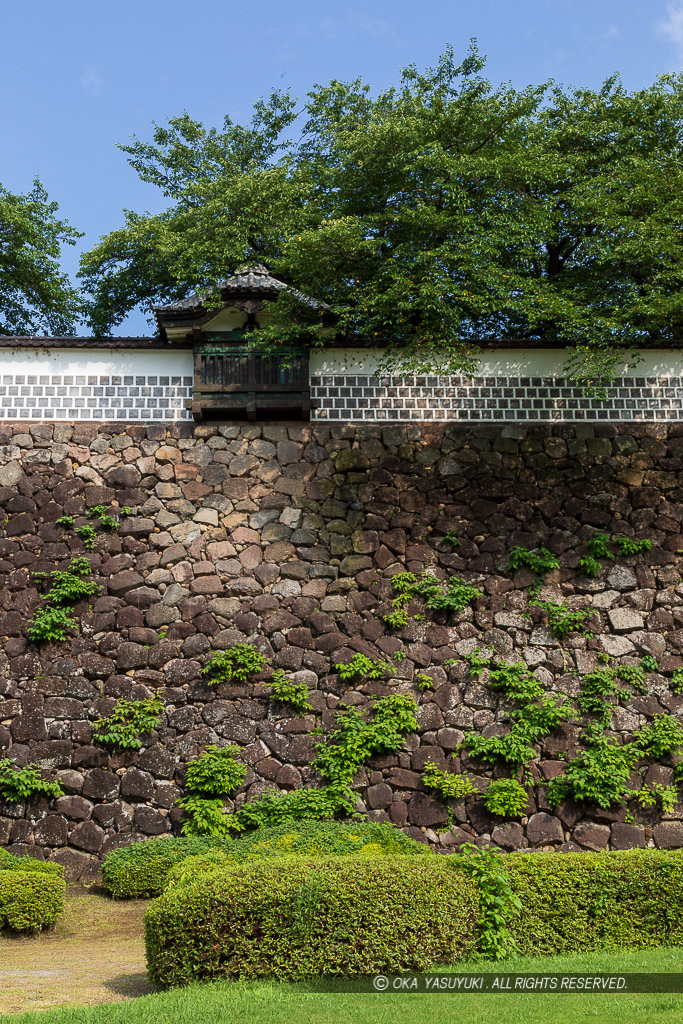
pixel 35 296
pixel 433 215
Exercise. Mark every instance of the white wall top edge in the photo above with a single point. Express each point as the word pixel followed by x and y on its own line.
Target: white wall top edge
pixel 513 362
pixel 151 362
pixel 97 362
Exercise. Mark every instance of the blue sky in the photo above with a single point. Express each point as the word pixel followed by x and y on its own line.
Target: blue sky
pixel 82 75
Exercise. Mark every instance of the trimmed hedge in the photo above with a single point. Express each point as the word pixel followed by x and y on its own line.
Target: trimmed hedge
pixel 299 917
pixel 139 871
pixel 142 869
pixel 30 900
pixel 296 916
pixel 8 862
pixel 326 839
pixel 581 902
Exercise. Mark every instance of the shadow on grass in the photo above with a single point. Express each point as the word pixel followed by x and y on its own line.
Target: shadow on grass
pixel 131 985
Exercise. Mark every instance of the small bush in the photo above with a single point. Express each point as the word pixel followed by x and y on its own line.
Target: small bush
pixel 30 900
pixel 450 785
pixel 128 720
pixel 605 901
pixel 139 871
pixel 332 916
pixel 38 867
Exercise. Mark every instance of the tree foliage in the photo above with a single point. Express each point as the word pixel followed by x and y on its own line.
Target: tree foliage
pixel 35 296
pixel 428 217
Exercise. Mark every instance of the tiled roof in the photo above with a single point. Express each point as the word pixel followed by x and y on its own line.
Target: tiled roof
pixel 252 278
pixel 31 341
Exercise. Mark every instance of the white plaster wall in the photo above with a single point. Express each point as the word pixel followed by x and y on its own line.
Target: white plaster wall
pixel 97 362
pixel 498 362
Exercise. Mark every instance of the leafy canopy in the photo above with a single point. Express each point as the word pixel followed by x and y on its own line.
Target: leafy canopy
pixel 35 296
pixel 429 216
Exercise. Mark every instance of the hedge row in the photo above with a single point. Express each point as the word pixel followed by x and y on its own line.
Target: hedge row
pixel 31 893
pixel 573 903
pixel 300 917
pixel 142 869
pixel 139 871
pixel 297 917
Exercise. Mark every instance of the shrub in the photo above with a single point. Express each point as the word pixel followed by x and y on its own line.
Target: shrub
pixel 562 620
pixel 307 838
pixel 604 901
pixel 664 735
pixel 30 899
pixel 330 916
pixel 67 588
pixel 360 667
pixel 38 867
pixel 449 784
pixel 279 808
pixel 293 694
pixel 139 870
pixel 628 546
pixel 208 779
pixel 597 775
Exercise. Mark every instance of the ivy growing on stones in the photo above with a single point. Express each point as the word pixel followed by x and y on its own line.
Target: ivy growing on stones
pixel 66 588
pixel 353 742
pixel 19 784
pixel 360 667
pixel 99 513
pixel 450 785
pixel 498 904
pixel 507 798
pixel 209 779
pixel 128 720
pixel 295 695
pixel 562 620
pixel 540 561
pixel 451 595
pixel 233 665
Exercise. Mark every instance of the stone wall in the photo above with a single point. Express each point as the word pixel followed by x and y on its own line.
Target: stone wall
pixel 287 535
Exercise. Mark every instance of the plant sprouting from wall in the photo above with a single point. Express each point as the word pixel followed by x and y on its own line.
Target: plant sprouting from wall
pixel 128 720
pixel 66 588
pixel 360 667
pixel 19 784
pixel 234 665
pixel 295 695
pixel 209 779
pixel 541 561
pixel 450 785
pixel 507 798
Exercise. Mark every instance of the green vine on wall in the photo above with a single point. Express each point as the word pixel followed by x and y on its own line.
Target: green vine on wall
pixel 233 665
pixel 87 531
pixel 128 720
pixel 498 904
pixel 209 779
pixel 450 596
pixel 343 752
pixel 20 784
pixel 67 587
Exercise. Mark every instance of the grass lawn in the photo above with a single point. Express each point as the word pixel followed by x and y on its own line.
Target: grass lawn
pixel 96 956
